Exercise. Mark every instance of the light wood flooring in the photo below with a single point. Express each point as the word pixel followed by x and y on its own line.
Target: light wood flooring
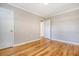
pixel 43 47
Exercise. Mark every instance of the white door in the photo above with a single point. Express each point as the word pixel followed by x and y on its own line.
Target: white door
pixel 47 29
pixel 41 29
pixel 6 28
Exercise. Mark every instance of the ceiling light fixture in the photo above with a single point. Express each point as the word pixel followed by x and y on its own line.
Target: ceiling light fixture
pixel 45 3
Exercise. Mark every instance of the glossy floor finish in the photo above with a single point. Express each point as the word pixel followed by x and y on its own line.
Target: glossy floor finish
pixel 42 47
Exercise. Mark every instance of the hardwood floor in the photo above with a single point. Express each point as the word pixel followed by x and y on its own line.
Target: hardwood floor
pixel 43 47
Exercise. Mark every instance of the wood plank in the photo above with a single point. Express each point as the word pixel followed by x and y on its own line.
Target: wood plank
pixel 42 47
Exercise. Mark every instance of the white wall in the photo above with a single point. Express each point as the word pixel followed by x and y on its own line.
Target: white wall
pixel 27 27
pixel 66 26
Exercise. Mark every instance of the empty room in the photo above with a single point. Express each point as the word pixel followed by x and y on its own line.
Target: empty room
pixel 39 29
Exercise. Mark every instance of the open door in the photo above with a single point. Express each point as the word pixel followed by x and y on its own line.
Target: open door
pixel 47 28
pixel 47 32
pixel 6 28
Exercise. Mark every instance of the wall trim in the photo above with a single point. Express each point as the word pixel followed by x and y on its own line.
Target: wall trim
pixel 15 45
pixel 58 13
pixel 74 43
pixel 64 12
pixel 34 13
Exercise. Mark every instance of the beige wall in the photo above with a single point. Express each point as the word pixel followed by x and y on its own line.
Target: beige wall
pixel 66 26
pixel 26 25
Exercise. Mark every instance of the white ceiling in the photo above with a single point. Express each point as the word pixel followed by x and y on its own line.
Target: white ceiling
pixel 46 10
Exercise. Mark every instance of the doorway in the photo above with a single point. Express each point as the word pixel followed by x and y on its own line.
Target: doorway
pixel 6 28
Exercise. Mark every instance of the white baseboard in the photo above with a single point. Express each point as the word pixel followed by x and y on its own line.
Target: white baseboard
pixel 25 43
pixel 66 41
